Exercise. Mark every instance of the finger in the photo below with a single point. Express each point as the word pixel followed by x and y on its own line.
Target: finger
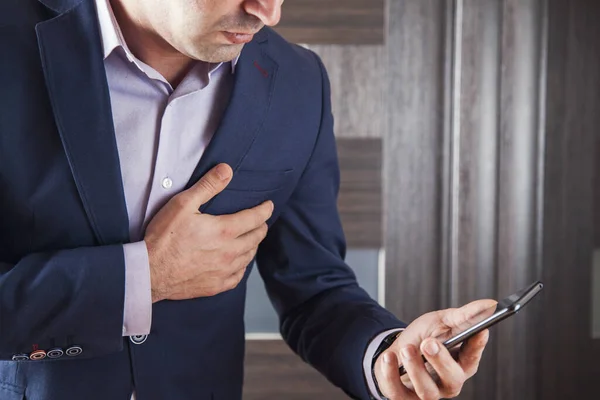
pixel 251 240
pixel 470 314
pixel 234 279
pixel 388 378
pixel 241 262
pixel 211 184
pixel 425 386
pixel 471 353
pixel 449 372
pixel 242 222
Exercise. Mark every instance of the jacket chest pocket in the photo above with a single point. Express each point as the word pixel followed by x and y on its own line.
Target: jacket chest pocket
pixel 249 189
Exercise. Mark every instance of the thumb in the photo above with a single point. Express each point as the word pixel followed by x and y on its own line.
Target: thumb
pixel 211 184
pixel 470 314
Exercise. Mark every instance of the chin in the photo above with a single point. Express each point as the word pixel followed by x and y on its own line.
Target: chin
pixel 217 53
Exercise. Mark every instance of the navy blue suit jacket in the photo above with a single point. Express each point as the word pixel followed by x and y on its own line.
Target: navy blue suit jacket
pixel 64 220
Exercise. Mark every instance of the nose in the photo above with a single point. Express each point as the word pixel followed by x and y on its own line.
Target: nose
pixel 268 11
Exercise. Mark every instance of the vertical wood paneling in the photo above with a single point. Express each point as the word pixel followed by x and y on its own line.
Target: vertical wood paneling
pixel 412 156
pixel 473 268
pixel 522 39
pixel 569 360
pixel 597 195
pixel 358 84
pixel 477 157
pixel 510 163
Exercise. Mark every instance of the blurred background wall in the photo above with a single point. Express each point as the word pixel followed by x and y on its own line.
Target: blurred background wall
pixel 467 135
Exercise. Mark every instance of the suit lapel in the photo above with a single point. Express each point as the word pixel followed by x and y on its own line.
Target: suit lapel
pixel 71 53
pixel 255 75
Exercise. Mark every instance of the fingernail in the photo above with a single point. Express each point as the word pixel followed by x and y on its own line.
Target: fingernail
pixel 431 347
pixel 222 172
pixel 387 358
pixel 406 353
pixel 272 205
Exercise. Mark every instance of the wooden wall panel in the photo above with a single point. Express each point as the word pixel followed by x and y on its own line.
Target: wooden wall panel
pixel 597 195
pixel 358 87
pixel 572 125
pixel 489 169
pixel 412 156
pixel 360 199
pixel 333 21
pixel 471 232
pixel 520 189
pixel 274 372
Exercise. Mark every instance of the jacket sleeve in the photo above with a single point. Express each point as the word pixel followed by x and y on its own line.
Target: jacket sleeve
pixel 325 317
pixel 63 300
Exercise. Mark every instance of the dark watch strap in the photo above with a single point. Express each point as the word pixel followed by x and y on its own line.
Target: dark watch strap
pixel 385 344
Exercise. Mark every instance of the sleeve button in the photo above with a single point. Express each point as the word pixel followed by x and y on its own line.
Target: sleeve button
pixel 55 353
pixel 138 339
pixel 74 351
pixel 37 355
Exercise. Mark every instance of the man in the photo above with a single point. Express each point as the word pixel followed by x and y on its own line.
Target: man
pixel 149 150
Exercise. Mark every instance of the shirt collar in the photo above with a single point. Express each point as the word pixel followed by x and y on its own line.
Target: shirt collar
pixel 112 36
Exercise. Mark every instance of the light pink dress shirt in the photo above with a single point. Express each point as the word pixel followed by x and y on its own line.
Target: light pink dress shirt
pixel 161 134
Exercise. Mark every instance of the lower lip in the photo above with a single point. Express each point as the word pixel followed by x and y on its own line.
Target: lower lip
pixel 238 38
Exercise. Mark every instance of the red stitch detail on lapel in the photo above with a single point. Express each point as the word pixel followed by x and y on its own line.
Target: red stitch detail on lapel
pixel 261 69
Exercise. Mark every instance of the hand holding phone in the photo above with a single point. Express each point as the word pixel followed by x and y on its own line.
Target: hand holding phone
pixel 504 309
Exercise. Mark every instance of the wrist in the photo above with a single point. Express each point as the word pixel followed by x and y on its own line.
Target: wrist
pixel 156 282
pixel 156 296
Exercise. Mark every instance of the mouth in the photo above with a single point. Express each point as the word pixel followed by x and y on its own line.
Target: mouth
pixel 238 37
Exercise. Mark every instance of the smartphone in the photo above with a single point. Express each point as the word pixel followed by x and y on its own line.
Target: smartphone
pixel 505 308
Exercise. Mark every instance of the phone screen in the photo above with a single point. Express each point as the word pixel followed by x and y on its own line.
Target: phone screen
pixel 505 308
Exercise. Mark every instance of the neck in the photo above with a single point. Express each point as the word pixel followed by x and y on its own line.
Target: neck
pixel 149 47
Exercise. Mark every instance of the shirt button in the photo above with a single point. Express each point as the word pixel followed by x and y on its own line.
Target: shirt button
pixel 167 183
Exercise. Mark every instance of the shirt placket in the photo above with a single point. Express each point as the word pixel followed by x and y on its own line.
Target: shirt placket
pixel 165 183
